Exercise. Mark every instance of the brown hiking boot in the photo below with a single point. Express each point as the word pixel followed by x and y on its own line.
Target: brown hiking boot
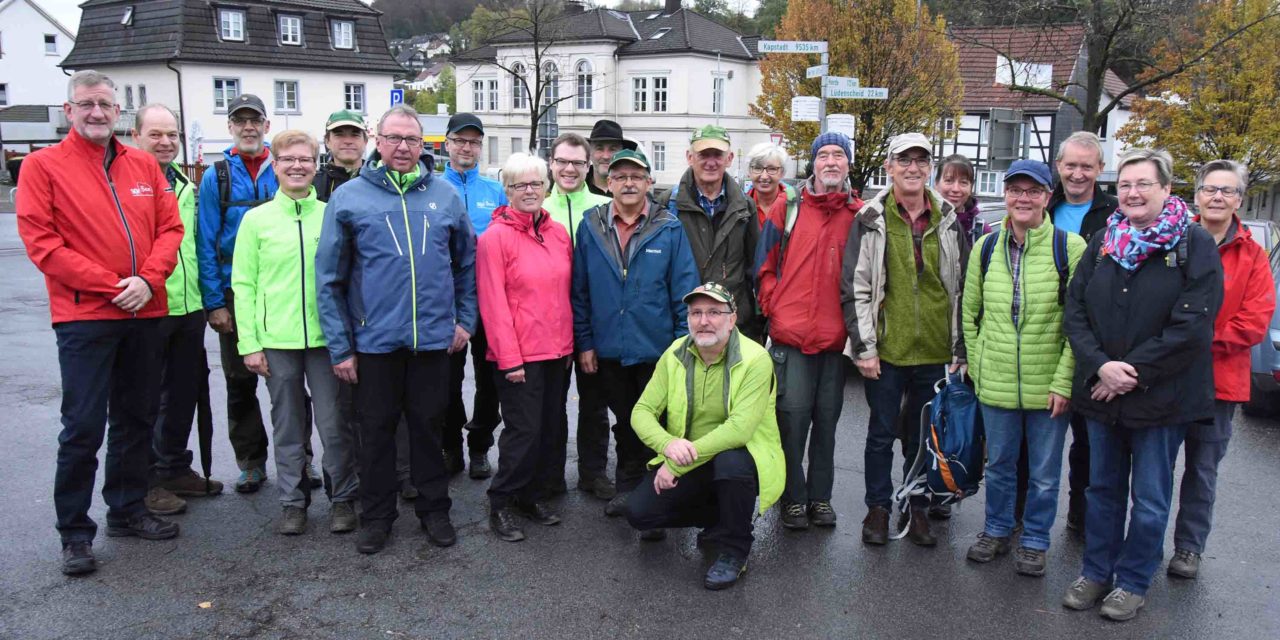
pixel 875 527
pixel 191 485
pixel 918 532
pixel 163 503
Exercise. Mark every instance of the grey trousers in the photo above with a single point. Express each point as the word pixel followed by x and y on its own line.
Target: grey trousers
pixel 293 373
pixel 1203 450
pixel 810 397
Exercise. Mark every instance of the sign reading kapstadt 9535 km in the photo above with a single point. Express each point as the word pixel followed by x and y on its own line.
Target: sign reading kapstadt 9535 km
pixel 791 46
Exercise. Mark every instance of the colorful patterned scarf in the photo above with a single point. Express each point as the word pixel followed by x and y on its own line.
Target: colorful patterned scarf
pixel 1129 247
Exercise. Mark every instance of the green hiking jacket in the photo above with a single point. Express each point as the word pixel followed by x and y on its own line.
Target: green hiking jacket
pixel 750 397
pixel 1016 367
pixel 183 285
pixel 567 208
pixel 273 275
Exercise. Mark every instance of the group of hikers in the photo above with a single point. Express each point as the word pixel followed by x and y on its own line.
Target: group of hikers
pixel 714 320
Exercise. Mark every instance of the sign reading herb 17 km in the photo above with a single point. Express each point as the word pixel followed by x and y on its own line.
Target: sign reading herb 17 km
pixel 791 46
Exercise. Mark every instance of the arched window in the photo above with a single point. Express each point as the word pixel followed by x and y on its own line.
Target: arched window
pixel 551 83
pixel 519 92
pixel 586 85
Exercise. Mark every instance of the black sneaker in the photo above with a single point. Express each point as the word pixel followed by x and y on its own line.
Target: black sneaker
pixel 480 468
pixel 145 526
pixel 77 559
pixel 617 506
pixel 439 529
pixel 372 539
pixel 503 524
pixel 538 512
pixel 821 514
pixel 794 516
pixel 724 572
pixel 599 487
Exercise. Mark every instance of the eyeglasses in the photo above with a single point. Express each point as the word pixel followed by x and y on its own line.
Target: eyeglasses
pixel 625 178
pixel 413 142
pixel 710 314
pixel 1210 191
pixel 300 160
pixel 1144 186
pixel 577 164
pixel 88 105
pixel 525 186
pixel 240 122
pixel 467 142
pixel 907 161
pixel 1016 192
pixel 773 171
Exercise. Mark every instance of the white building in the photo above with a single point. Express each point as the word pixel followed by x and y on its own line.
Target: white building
pixel 32 44
pixel 304 58
pixel 660 74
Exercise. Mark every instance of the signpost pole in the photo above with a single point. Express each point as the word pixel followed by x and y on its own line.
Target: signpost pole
pixel 822 109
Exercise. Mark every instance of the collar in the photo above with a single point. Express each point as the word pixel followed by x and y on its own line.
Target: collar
pixel 697 355
pixel 98 152
pixel 613 216
pixel 461 177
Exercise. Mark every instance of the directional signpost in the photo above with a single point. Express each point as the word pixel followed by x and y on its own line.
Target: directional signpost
pixel 806 109
pixel 816 71
pixel 833 87
pixel 792 46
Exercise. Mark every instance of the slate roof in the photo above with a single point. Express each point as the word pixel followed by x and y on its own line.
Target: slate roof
pixel 187 31
pixel 977 49
pixel 25 113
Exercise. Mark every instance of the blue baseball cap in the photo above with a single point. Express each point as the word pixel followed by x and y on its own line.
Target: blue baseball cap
pixel 1033 169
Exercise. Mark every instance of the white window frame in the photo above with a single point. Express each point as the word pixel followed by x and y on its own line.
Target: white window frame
pixel 493 94
pixel 231 24
pixel 282 91
pixel 142 95
pixel 550 83
pixel 640 94
pixel 517 144
pixel 4 94
pixel 477 95
pixel 342 33
pixel 493 154
pixel 359 94
pixel 221 97
pixel 659 150
pixel 879 179
pixel 128 97
pixel 661 96
pixel 717 95
pixel 990 183
pixel 585 85
pixel 286 24
pixel 519 92
pixel 54 44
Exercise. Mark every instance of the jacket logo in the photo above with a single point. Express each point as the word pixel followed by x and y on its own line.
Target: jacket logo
pixel 657 251
pixel 486 204
pixel 432 205
pixel 141 190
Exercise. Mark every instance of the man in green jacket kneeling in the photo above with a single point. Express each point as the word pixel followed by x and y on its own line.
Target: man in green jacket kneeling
pixel 720 447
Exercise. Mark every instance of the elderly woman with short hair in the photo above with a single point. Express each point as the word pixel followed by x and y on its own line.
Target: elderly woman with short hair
pixel 523 269
pixel 766 164
pixel 1139 316
pixel 1248 300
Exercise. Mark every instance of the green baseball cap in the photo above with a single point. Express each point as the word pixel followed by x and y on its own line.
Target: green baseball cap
pixel 710 137
pixel 344 118
pixel 632 156
pixel 714 291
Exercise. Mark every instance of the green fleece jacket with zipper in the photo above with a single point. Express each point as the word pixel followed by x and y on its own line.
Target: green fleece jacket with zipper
pixel 183 285
pixel 567 208
pixel 273 275
pixel 1017 366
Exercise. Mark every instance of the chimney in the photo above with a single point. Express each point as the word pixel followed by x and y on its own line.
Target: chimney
pixel 573 7
pixel 672 7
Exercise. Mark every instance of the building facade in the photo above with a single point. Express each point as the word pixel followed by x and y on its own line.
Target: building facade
pixel 32 44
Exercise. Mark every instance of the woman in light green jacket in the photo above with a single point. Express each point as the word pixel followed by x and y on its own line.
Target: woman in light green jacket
pixel 273 277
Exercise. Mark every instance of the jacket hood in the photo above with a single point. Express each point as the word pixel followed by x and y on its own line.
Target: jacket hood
pixel 375 171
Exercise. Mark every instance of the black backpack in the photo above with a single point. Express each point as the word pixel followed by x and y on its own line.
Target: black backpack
pixel 222 171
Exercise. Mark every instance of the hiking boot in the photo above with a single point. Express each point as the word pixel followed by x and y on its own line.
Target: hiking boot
pixel 480 468
pixel 1121 605
pixel 77 559
pixel 794 516
pixel 439 529
pixel 293 521
pixel 538 512
pixel 988 547
pixel 373 538
pixel 653 535
pixel 939 512
pixel 503 523
pixel 557 487
pixel 314 478
pixel 724 572
pixel 251 480
pixel 875 527
pixel 821 514
pixel 1184 564
pixel 407 490
pixel 919 532
pixel 1084 593
pixel 1029 562
pixel 453 464
pixel 342 518
pixel 161 502
pixel 598 486
pixel 191 485
pixel 145 526
pixel 617 506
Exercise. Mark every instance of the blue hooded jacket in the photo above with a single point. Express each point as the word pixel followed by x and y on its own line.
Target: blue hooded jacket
pixel 395 271
pixel 631 314
pixel 480 195
pixel 214 258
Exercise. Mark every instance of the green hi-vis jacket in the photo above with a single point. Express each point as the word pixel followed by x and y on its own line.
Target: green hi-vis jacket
pixel 183 285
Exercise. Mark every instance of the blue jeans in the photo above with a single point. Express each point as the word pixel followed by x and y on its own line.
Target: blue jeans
pixel 884 397
pixel 1118 456
pixel 1045 437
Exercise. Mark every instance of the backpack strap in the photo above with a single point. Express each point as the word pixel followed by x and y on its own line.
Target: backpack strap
pixel 793 213
pixel 222 172
pixel 984 262
pixel 1061 263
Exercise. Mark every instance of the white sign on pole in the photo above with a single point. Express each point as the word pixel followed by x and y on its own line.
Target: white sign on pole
pixel 843 123
pixel 860 93
pixel 816 71
pixel 791 46
pixel 806 109
pixel 837 82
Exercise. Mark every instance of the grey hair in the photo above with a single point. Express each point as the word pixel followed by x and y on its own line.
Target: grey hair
pixel 399 110
pixel 1242 174
pixel 1086 139
pixel 521 164
pixel 148 108
pixel 1158 157
pixel 766 151
pixel 87 78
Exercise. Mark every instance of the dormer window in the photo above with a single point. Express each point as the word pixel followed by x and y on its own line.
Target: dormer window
pixel 343 33
pixel 659 33
pixel 231 24
pixel 127 19
pixel 291 30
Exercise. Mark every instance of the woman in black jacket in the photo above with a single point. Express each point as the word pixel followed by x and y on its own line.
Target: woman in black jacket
pixel 1139 316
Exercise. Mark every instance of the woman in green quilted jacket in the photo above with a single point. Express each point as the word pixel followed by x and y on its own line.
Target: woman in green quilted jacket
pixel 1020 362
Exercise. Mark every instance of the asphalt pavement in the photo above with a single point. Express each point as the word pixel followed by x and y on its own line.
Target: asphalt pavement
pixel 228 575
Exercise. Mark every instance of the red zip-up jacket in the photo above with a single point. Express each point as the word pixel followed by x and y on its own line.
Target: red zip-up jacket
pixel 88 223
pixel 523 273
pixel 1248 300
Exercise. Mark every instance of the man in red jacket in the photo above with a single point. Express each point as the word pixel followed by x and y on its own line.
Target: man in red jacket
pixel 1248 300
pixel 101 222
pixel 800 297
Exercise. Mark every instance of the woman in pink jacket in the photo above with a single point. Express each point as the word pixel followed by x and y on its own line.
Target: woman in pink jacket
pixel 523 269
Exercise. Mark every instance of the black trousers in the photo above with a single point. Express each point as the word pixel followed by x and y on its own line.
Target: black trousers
pixel 622 387
pixel 245 428
pixel 719 496
pixel 484 418
pixel 1078 461
pixel 391 385
pixel 532 413
pixel 184 368
pixel 110 376
pixel 593 427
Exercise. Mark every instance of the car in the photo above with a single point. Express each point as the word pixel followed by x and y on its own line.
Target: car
pixel 992 213
pixel 1267 233
pixel 1264 361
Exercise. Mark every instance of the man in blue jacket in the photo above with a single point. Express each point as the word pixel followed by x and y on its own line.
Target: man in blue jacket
pixel 464 141
pixel 396 290
pixel 632 266
pixel 241 180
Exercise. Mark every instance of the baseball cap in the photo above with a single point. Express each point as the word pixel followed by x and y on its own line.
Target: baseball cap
pixel 910 141
pixel 1033 169
pixel 246 101
pixel 344 118
pixel 714 291
pixel 627 155
pixel 709 137
pixel 461 121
